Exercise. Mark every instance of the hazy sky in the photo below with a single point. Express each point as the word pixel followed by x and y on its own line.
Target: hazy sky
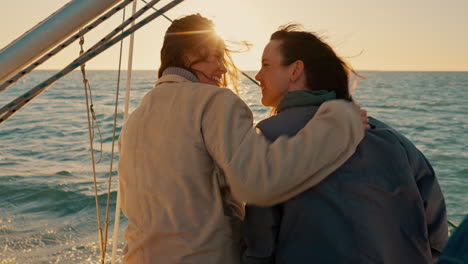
pixel 416 35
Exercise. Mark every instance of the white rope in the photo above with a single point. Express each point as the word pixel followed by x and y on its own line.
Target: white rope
pixel 93 161
pixel 115 238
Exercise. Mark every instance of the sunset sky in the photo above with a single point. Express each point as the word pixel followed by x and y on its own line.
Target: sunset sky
pixel 397 35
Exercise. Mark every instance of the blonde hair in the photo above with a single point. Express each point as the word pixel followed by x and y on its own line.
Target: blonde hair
pixel 194 33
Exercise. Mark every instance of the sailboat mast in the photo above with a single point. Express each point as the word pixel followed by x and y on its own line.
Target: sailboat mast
pixel 49 33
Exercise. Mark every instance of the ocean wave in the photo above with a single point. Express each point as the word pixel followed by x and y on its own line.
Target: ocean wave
pixel 21 195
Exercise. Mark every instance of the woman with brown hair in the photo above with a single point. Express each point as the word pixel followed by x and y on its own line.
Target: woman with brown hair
pixel 187 131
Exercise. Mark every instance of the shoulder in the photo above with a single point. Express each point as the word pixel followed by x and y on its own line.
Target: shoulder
pixel 378 124
pixel 379 127
pixel 383 130
pixel 287 122
pixel 221 103
pixel 203 93
pixel 173 80
pixel 222 97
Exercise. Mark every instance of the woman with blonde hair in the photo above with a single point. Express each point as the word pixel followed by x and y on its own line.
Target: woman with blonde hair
pixel 187 131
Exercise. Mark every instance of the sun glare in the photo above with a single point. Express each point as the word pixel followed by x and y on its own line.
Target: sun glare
pixel 239 24
pixel 229 28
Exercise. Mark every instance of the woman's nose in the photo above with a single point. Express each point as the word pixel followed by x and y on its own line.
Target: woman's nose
pixel 257 76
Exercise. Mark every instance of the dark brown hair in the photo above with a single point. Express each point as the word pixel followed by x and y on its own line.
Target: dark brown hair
pixel 194 34
pixel 323 68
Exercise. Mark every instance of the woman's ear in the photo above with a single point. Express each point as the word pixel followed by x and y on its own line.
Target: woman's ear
pixel 297 70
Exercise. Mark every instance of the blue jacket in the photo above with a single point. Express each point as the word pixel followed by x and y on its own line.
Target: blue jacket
pixel 384 205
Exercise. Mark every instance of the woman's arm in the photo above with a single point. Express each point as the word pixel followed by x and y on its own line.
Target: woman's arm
pixel 264 173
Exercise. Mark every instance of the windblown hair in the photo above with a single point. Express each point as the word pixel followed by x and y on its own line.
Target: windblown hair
pixel 195 34
pixel 324 69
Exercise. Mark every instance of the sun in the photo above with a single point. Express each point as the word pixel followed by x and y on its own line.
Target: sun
pixel 229 28
pixel 236 23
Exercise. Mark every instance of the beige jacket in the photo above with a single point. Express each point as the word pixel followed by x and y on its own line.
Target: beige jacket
pixel 170 145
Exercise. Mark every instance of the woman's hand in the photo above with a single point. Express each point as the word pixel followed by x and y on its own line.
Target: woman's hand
pixel 364 118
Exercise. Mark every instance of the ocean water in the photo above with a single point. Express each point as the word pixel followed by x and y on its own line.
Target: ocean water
pixel 47 203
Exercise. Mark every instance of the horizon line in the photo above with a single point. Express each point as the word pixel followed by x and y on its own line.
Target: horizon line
pixel 358 70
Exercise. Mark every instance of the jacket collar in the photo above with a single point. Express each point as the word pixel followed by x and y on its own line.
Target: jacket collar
pixel 305 98
pixel 176 74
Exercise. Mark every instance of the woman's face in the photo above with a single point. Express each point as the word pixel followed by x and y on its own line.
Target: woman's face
pixel 274 78
pixel 211 69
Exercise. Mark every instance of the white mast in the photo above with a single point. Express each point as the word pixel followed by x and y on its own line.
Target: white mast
pixel 49 33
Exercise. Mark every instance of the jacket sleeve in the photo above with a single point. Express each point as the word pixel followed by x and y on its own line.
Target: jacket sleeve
pixel 431 194
pixel 434 202
pixel 266 173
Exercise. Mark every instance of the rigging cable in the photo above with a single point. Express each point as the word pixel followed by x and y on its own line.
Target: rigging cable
pixel 89 113
pixel 85 80
pixel 115 238
pixel 63 45
pixel 106 223
pixel 11 108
